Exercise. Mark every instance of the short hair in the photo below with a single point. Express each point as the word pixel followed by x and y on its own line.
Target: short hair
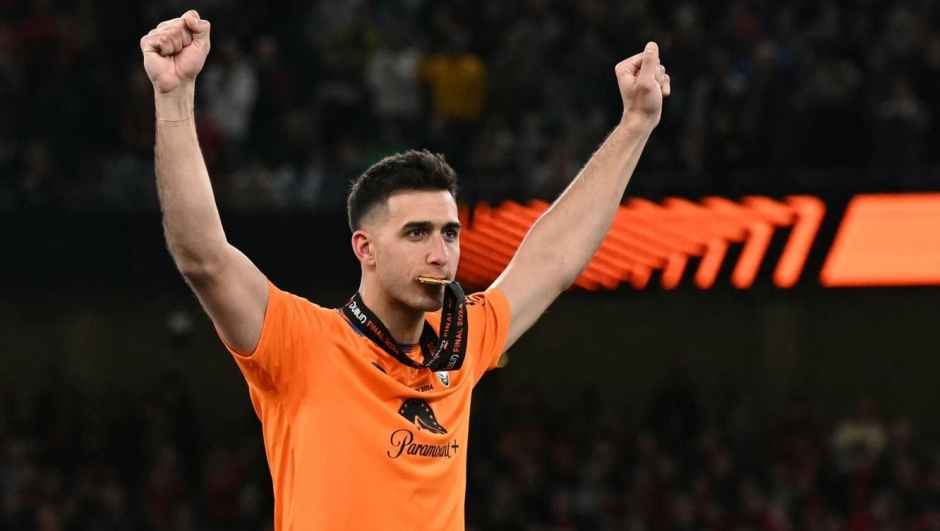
pixel 409 171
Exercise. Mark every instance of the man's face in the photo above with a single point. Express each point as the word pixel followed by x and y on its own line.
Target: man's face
pixel 416 234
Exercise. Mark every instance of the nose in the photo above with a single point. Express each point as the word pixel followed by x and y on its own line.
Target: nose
pixel 439 255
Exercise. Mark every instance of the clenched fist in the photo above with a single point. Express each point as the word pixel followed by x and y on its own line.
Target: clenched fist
pixel 643 85
pixel 175 52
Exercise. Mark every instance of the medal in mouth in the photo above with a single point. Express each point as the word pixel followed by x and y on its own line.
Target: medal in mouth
pixel 433 281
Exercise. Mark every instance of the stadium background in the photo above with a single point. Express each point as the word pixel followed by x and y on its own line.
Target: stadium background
pixel 654 409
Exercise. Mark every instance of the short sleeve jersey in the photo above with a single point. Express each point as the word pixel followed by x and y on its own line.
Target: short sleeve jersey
pixel 354 438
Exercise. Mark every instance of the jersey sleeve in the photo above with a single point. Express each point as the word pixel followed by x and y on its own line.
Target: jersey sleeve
pixel 291 324
pixel 488 315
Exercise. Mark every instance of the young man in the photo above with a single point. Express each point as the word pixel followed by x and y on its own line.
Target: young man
pixel 365 409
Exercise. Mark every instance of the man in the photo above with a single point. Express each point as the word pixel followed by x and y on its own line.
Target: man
pixel 365 409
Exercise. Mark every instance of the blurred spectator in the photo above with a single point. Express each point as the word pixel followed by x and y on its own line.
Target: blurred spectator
pixel 272 103
pixel 554 173
pixel 392 73
pixel 458 82
pixel 34 176
pixel 229 88
pixel 458 86
pixel 901 128
pixel 859 438
pixel 674 416
pixel 340 96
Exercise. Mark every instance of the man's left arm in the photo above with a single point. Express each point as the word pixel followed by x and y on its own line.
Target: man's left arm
pixel 564 239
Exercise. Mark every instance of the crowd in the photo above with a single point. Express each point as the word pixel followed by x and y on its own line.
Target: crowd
pixel 582 469
pixel 69 461
pixel 298 97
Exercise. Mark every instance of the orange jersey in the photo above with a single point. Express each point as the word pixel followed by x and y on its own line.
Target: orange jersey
pixel 354 438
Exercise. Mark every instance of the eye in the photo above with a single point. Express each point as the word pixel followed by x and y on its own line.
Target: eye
pixel 415 233
pixel 450 234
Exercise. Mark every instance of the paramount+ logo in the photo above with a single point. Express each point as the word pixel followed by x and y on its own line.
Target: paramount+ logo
pixel 418 412
pixel 402 442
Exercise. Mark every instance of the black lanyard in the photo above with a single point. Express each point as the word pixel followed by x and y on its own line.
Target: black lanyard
pixel 444 353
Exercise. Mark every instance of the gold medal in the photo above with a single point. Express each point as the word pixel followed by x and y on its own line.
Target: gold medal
pixel 433 281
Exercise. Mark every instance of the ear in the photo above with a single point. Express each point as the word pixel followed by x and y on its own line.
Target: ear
pixel 362 247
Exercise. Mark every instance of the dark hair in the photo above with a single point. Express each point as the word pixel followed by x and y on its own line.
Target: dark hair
pixel 411 170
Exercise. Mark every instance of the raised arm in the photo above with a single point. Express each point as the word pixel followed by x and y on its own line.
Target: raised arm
pixel 231 289
pixel 564 239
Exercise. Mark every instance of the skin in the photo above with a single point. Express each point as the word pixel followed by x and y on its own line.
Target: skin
pixel 416 233
pixel 235 293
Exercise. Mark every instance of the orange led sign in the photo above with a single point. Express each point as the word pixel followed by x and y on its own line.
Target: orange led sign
pixel 886 240
pixel 648 237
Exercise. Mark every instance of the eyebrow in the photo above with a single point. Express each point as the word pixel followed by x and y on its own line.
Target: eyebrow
pixel 427 226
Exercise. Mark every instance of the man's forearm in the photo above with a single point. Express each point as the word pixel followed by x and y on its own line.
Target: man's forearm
pixel 570 232
pixel 191 220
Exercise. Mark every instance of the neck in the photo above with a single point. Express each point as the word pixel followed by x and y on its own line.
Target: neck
pixel 404 323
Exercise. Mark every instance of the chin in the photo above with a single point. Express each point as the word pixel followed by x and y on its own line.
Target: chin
pixel 429 302
pixel 429 305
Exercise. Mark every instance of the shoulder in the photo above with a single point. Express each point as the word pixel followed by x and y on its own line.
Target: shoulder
pixel 491 301
pixel 284 304
pixel 482 298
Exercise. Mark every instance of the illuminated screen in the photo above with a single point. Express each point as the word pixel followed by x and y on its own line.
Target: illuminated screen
pixel 886 240
pixel 649 237
pixel 881 240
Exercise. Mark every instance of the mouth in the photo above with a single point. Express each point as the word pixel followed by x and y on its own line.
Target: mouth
pixel 431 281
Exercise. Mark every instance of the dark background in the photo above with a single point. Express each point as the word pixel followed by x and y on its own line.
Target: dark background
pixel 764 409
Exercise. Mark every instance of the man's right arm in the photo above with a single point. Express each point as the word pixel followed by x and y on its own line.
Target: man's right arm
pixel 231 289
